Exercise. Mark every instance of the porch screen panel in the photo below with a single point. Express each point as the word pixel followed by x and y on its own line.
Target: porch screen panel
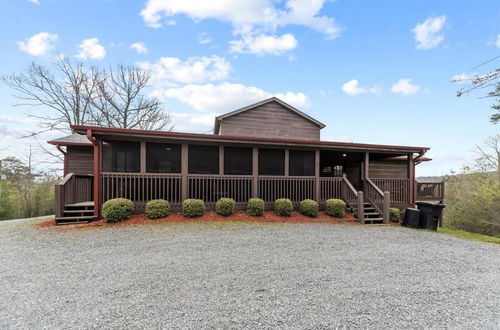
pixel 301 162
pixel 237 161
pixel 203 159
pixel 271 162
pixel 163 158
pixel 121 156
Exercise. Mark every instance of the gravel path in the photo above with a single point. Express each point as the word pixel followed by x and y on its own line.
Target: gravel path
pixel 234 275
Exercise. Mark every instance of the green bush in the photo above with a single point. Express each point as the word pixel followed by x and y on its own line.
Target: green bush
pixel 157 208
pixel 283 207
pixel 192 208
pixel 255 207
pixel 335 207
pixel 225 206
pixel 309 208
pixel 117 209
pixel 394 214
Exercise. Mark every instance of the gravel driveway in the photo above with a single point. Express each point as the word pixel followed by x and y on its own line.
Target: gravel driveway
pixel 235 275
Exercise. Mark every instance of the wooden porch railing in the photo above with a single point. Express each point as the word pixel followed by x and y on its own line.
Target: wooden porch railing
pixel 296 188
pixel 141 187
pixel 331 187
pixel 210 188
pixel 74 188
pixel 399 189
pixel 430 191
pixel 381 200
pixel 353 197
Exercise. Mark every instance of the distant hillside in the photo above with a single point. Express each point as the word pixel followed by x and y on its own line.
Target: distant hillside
pixel 430 178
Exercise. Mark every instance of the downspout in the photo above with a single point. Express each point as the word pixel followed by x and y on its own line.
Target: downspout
pixel 416 161
pixel 65 161
pixel 97 172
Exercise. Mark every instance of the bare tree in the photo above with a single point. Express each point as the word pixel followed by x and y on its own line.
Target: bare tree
pixel 489 156
pixel 79 95
pixel 490 79
pixel 120 101
pixel 67 95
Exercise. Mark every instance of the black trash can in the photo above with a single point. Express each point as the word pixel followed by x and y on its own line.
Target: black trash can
pixel 412 218
pixel 430 214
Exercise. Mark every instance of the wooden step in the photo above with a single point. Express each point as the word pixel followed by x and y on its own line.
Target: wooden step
pixel 74 219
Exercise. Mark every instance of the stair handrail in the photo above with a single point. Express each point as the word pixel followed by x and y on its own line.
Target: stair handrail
pixel 66 192
pixel 60 195
pixel 359 199
pixel 386 196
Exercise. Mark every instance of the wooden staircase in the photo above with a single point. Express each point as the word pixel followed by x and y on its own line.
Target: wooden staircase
pixel 371 215
pixel 82 212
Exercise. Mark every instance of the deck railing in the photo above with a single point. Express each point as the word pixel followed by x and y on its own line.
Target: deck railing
pixel 295 188
pixel 398 188
pixel 210 188
pixel 142 187
pixel 431 191
pixel 380 199
pixel 74 188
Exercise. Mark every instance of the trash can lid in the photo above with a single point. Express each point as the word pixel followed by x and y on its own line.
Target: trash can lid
pixel 431 204
pixel 412 209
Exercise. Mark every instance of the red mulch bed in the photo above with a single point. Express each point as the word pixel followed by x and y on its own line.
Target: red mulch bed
pixel 268 216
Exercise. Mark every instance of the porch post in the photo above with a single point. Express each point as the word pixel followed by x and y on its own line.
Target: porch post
pixel 143 157
pixel 361 207
pixel 366 164
pixel 411 179
pixel 221 160
pixel 184 171
pixel 255 172
pixel 387 205
pixel 287 162
pixel 317 183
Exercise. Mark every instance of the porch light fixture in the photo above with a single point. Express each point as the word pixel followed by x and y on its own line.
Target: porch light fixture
pixel 344 155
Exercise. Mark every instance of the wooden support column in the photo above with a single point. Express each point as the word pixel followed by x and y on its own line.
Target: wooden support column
pixel 221 160
pixel 317 185
pixel 184 171
pixel 287 162
pixel 366 164
pixel 143 157
pixel 411 177
pixel 387 205
pixel 255 172
pixel 361 207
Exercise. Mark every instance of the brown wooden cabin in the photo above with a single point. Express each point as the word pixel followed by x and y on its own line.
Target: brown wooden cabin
pixel 268 150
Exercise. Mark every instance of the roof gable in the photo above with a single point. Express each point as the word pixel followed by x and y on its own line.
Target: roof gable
pixel 285 105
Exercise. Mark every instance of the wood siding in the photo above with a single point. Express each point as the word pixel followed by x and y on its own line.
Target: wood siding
pixel 385 169
pixel 270 120
pixel 80 160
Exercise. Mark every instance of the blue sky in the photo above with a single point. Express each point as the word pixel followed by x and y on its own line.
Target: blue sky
pixel 373 71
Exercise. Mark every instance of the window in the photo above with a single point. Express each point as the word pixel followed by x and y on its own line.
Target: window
pixel 121 156
pixel 203 159
pixel 237 161
pixel 271 162
pixel 163 158
pixel 338 170
pixel 301 162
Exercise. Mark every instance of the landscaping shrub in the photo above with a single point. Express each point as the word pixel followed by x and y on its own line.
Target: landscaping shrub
pixel 117 209
pixel 157 208
pixel 255 207
pixel 394 214
pixel 192 208
pixel 309 208
pixel 283 207
pixel 335 207
pixel 225 206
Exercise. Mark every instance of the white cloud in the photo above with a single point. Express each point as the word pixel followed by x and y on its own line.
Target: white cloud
pixel 427 33
pixel 405 87
pixel 461 78
pixel 38 44
pixel 168 71
pixel 264 44
pixel 248 17
pixel 139 47
pixel 226 96
pixel 36 2
pixel 193 122
pixel 497 41
pixel 90 48
pixel 352 88
pixel 204 38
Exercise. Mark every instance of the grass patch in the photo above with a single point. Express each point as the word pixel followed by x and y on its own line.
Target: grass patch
pixel 469 236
